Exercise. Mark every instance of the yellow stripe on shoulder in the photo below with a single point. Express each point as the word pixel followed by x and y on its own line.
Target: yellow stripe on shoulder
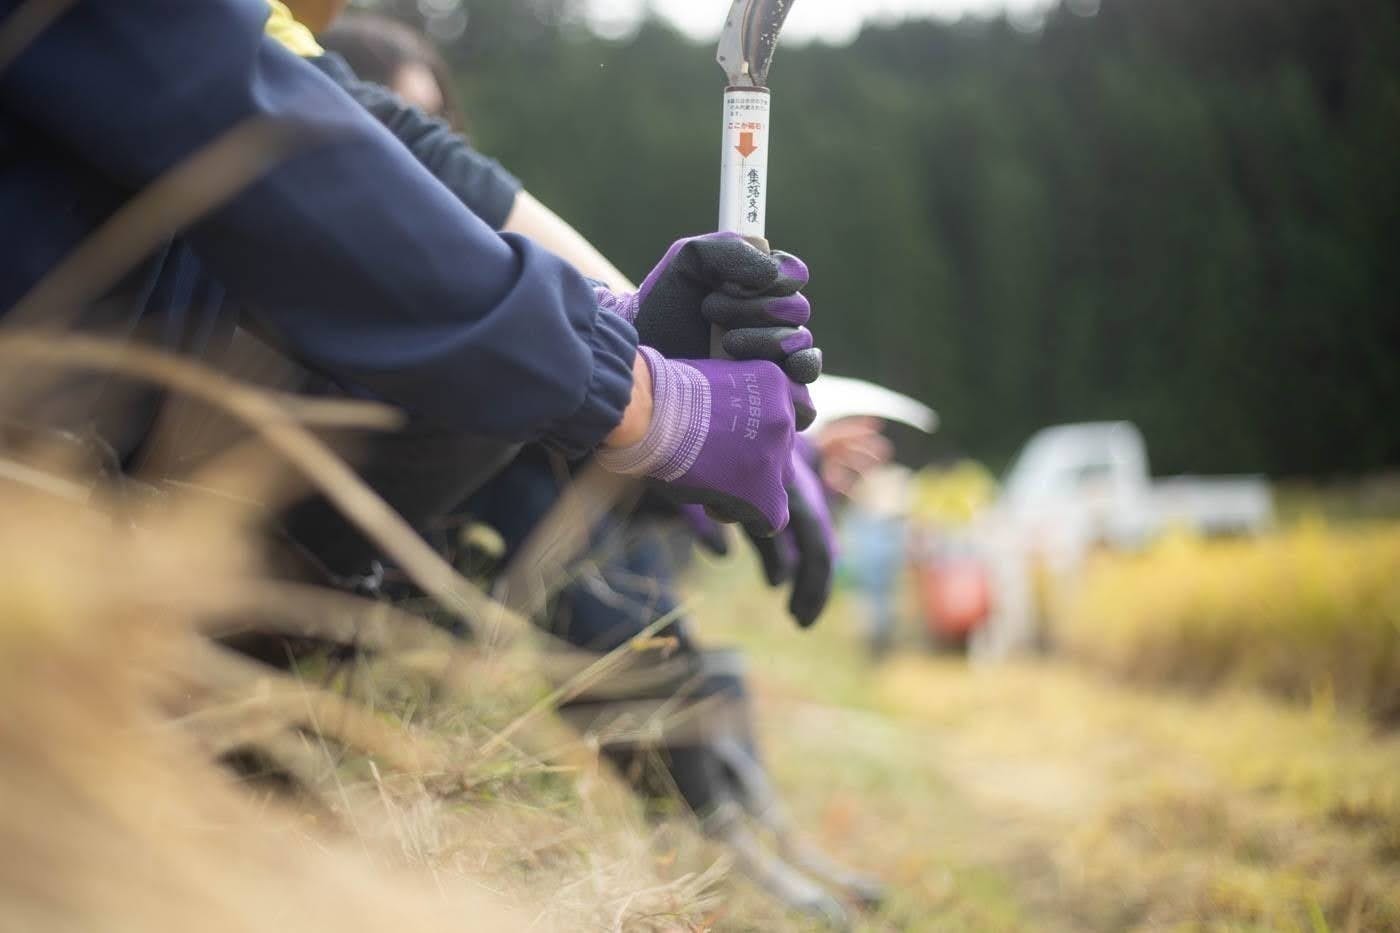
pixel 283 27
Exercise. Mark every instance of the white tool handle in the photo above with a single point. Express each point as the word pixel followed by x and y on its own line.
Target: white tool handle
pixel 743 176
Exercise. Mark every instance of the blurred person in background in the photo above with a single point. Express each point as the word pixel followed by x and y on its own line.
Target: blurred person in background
pixel 953 582
pixel 875 534
pixel 850 448
pixel 390 53
pixel 858 463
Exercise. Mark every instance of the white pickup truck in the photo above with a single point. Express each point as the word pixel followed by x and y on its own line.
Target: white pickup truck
pixel 1077 487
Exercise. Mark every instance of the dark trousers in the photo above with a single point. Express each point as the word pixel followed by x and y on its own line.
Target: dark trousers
pixel 623 584
pixel 425 475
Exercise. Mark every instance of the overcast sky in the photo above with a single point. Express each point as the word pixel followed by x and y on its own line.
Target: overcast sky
pixel 831 20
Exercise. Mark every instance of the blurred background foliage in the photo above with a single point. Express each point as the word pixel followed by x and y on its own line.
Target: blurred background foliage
pixel 1181 213
pixel 1311 615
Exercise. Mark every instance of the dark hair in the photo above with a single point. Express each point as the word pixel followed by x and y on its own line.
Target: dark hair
pixel 378 48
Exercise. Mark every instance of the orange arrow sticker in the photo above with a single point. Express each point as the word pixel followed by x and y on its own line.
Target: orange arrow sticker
pixel 746 145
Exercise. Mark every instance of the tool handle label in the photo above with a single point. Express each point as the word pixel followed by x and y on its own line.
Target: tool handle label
pixel 743 187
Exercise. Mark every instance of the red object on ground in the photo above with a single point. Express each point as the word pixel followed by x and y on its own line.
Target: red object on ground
pixel 955 595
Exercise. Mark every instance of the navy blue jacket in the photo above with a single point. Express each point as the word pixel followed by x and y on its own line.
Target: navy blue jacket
pixel 349 253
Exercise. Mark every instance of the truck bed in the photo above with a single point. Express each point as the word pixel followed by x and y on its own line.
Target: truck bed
pixel 1215 505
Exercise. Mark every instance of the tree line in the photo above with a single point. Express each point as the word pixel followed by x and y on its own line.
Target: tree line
pixel 1181 212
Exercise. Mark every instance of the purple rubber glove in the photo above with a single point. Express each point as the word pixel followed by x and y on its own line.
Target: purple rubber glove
pixel 721 280
pixel 805 552
pixel 721 436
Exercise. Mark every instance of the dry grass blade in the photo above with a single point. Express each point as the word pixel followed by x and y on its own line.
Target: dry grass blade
pixel 660 723
pixel 181 196
pixel 339 413
pixel 544 561
pixel 43 481
pixel 266 417
pixel 309 765
pixel 576 685
pixel 303 611
pixel 265 698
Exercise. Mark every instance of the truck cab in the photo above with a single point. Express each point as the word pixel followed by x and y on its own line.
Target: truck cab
pixel 1081 484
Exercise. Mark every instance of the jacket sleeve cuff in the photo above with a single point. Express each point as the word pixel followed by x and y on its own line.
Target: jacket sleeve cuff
pixel 614 344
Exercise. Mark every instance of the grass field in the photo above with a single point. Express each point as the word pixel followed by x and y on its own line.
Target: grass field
pixel 1311 614
pixel 1042 797
pixel 1037 796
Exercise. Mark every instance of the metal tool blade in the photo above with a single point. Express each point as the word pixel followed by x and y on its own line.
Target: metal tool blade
pixel 749 38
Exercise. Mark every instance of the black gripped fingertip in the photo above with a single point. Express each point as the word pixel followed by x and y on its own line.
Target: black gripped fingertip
pixel 812 581
pixel 787 284
pixel 811 588
pixel 757 343
pixel 713 546
pixel 804 417
pixel 735 265
pixel 732 311
pixel 774 570
pixel 806 610
pixel 804 366
pixel 716 543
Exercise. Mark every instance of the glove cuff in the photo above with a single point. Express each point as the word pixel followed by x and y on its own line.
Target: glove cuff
pixel 680 421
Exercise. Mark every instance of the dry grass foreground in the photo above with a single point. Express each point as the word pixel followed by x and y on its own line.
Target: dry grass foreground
pixel 412 811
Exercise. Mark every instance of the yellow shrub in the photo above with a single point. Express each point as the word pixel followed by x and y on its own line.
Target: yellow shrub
pixel 1312 614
